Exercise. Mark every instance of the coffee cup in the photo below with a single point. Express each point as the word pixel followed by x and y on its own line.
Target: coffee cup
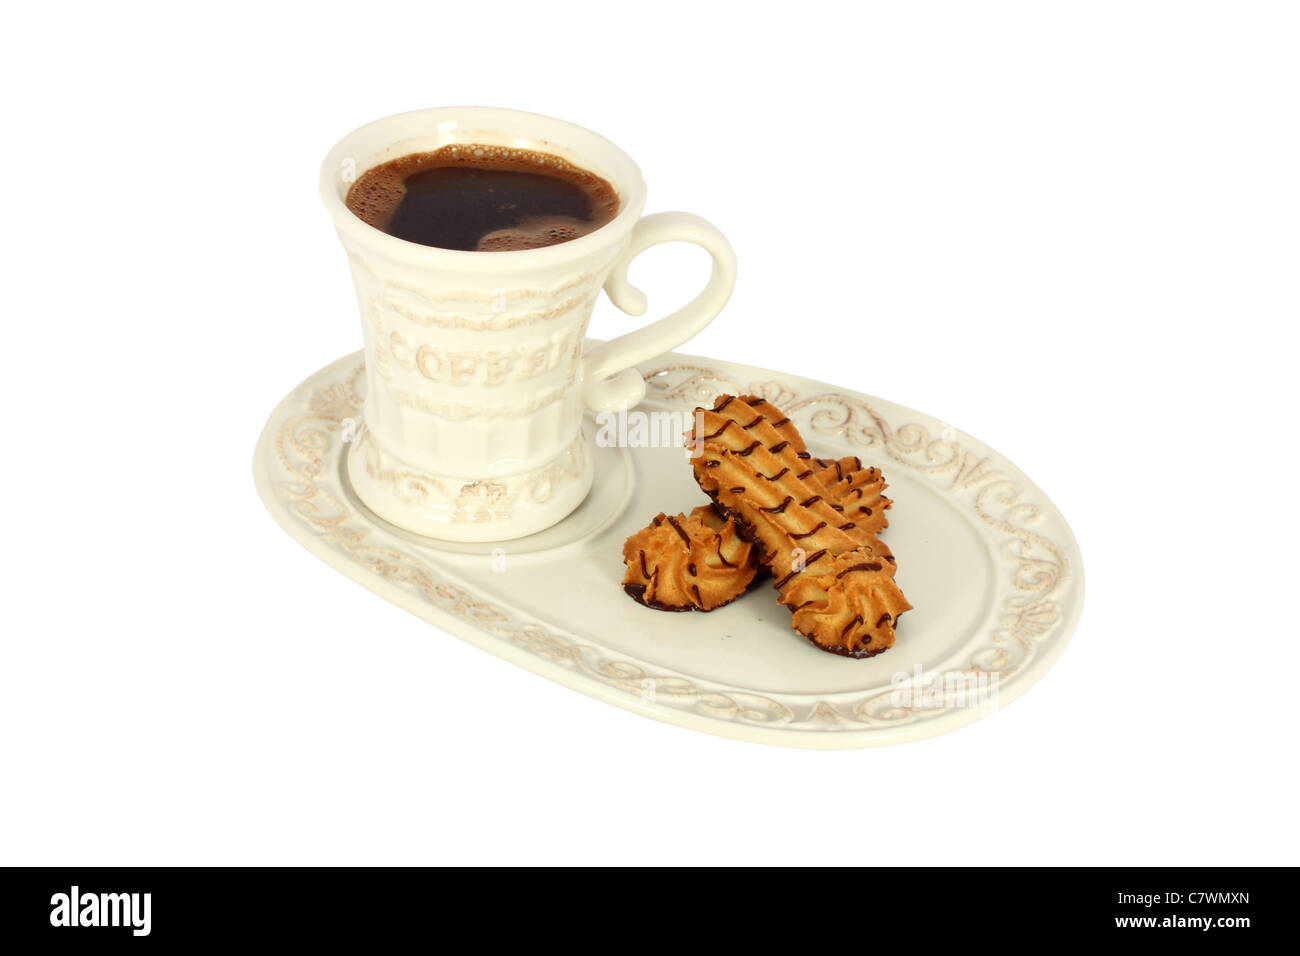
pixel 477 379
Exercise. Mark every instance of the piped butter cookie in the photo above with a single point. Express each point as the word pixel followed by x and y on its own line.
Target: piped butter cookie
pixel 688 562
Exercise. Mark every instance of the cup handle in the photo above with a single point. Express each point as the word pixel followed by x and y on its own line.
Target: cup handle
pixel 610 380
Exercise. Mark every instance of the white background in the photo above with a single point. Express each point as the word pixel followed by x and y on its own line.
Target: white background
pixel 1069 229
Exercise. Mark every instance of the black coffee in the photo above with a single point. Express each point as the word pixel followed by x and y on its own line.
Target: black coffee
pixel 483 199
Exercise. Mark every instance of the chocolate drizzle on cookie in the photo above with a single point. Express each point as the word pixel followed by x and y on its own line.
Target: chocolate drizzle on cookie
pixel 817 527
pixel 678 528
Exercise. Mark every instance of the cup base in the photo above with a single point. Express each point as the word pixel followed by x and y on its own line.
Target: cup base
pixel 448 508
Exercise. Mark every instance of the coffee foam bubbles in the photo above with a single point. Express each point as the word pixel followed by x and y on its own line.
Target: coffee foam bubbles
pixel 376 195
pixel 534 234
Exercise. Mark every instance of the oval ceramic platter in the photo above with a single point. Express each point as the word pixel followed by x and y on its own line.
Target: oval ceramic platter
pixel 986 559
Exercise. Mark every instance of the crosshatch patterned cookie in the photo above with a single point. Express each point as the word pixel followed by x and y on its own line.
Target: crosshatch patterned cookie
pixel 860 490
pixel 828 566
pixel 688 562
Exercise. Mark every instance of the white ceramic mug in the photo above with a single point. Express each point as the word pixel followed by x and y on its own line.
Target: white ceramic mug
pixel 476 378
